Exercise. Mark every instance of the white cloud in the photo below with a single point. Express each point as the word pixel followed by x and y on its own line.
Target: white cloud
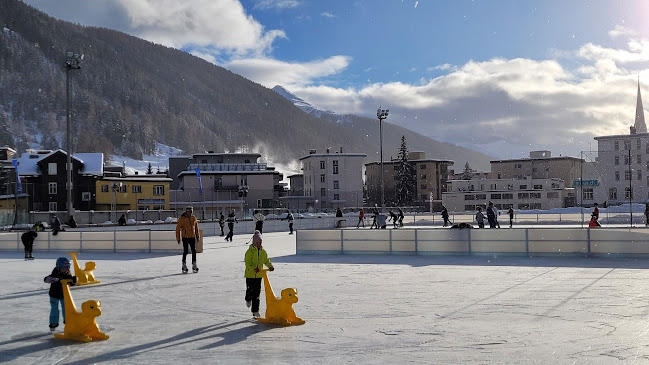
pixel 277 4
pixel 270 72
pixel 327 14
pixel 199 23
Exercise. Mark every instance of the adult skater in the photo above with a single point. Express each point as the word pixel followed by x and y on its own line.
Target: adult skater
pixel 361 217
pixel 187 226
pixel 445 215
pixel 259 219
pixel 479 217
pixel 255 259
pixel 646 214
pixel 222 223
pixel 290 219
pixel 28 241
pixel 401 216
pixel 511 216
pixel 232 218
pixel 491 215
pixel 595 216
pixel 55 223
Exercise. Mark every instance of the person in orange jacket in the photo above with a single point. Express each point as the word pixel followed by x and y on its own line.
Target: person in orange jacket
pixel 188 225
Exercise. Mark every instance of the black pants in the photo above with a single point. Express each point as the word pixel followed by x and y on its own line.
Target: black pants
pixel 222 234
pixel 253 291
pixel 29 246
pixel 231 233
pixel 259 226
pixel 191 242
pixel 290 226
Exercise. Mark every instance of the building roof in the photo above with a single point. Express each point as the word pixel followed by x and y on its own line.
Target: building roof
pixel 320 155
pixel 137 178
pixel 451 162
pixel 618 136
pixel 538 159
pixel 92 163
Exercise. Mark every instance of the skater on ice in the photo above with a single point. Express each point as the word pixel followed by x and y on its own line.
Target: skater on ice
pixel 60 272
pixel 232 219
pixel 255 259
pixel 187 227
pixel 28 241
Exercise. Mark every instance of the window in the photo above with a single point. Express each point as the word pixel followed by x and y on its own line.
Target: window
pixel 535 195
pixel 218 182
pixel 322 165
pixel 423 177
pixel 534 169
pixel 422 166
pixel 53 188
pixel 323 192
pixel 639 175
pixel 627 145
pixel 553 195
pixel 523 206
pixel 628 193
pixel 638 159
pixel 423 187
pixel 104 188
pixel 523 195
pixel 638 144
pixel 395 168
pixel 336 184
pixel 158 190
pixel 496 196
pixel 243 180
pixel 538 187
pixel 53 207
pixel 518 166
pixel 469 197
pixel 647 149
pixel 617 176
pixel 322 178
pixel 522 187
pixel 136 188
pixel 616 145
pixel 203 161
pixel 469 207
pixel 612 193
pixel 617 160
pixel 51 168
pixel 424 196
pixel 122 189
pixel 336 196
pixel 626 160
pixel 481 197
pixel 85 196
pixel 335 167
pixel 627 175
pixel 508 196
pixel 587 194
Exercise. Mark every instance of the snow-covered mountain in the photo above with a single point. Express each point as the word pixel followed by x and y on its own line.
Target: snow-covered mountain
pixel 301 103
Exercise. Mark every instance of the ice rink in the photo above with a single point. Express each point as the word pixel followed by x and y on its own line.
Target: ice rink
pixel 358 309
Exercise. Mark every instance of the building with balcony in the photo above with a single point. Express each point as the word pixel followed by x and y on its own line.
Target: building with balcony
pixel 333 180
pixel 219 182
pixel 133 192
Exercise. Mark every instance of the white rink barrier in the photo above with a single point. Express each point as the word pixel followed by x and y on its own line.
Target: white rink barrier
pixel 512 242
pixel 111 241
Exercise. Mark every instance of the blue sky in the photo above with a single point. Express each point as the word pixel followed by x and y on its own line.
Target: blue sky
pixel 501 76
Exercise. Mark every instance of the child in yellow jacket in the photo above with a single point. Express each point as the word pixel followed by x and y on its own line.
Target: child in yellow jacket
pixel 255 259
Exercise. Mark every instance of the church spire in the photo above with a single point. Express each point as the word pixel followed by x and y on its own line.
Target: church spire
pixel 640 125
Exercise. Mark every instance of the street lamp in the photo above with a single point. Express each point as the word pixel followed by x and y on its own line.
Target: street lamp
pixel 72 62
pixel 382 114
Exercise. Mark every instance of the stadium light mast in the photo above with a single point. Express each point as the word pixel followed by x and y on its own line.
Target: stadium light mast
pixel 382 114
pixel 72 62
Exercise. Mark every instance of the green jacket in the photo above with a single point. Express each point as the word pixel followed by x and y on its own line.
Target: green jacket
pixel 256 258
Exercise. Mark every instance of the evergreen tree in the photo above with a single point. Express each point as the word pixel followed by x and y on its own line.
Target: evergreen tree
pixel 149 169
pixel 406 177
pixel 467 174
pixel 5 132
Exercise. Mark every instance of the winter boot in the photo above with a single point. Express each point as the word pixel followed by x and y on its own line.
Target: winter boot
pixel 31 256
pixel 53 326
pixel 256 314
pixel 26 256
pixel 185 270
pixel 194 267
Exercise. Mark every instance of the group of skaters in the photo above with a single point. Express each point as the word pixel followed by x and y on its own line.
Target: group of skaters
pixel 492 216
pixel 379 220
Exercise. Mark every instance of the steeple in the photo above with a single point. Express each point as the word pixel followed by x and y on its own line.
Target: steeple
pixel 640 125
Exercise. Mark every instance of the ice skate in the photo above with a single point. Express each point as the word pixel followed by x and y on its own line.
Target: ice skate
pixel 31 256
pixel 194 267
pixel 185 270
pixel 53 326
pixel 256 314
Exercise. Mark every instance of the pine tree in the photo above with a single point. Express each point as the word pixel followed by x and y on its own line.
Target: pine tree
pixel 467 174
pixel 149 169
pixel 407 180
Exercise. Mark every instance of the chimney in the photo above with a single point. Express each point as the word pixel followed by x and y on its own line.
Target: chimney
pixel 341 149
pixel 311 152
pixel 327 150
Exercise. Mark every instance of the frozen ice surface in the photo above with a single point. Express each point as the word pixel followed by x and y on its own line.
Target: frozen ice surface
pixel 358 309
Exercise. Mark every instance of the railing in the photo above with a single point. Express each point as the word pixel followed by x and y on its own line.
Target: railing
pixel 229 166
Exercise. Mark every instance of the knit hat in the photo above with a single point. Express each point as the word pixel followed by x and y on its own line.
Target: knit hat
pixel 256 238
pixel 62 262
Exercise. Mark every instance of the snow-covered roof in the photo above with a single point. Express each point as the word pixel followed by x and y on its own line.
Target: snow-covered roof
pixel 93 163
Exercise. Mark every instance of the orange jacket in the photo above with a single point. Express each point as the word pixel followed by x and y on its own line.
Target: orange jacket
pixel 188 226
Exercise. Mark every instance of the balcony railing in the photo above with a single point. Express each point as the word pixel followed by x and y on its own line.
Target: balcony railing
pixel 229 166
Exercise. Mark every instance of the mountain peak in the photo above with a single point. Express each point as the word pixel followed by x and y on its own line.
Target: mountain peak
pixel 301 103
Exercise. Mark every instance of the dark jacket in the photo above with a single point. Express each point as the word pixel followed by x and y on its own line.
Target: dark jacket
pixel 28 236
pixel 56 288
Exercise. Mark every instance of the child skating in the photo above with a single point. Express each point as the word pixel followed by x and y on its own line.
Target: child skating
pixel 61 271
pixel 255 259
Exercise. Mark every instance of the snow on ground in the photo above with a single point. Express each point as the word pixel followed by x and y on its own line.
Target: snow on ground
pixel 358 309
pixel 158 160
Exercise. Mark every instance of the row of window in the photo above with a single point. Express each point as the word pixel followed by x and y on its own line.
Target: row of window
pixel 627 145
pixel 524 206
pixel 334 166
pixel 628 174
pixel 157 189
pixel 509 196
pixel 511 187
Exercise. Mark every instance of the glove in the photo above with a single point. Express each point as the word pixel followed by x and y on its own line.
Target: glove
pixel 271 269
pixel 256 269
pixel 178 242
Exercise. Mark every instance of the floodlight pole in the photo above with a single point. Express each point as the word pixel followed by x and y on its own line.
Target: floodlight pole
pixel 72 61
pixel 382 114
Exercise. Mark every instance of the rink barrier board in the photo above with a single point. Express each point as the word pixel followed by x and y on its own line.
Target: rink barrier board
pixel 508 242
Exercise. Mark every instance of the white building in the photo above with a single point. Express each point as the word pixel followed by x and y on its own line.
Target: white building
pixel 334 180
pixel 527 193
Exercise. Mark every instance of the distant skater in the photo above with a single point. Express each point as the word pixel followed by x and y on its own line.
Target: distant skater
pixel 187 227
pixel 232 218
pixel 646 214
pixel 28 241
pixel 361 217
pixel 290 219
pixel 511 216
pixel 491 215
pixel 594 217
pixel 445 215
pixel 479 217
pixel 222 223
pixel 259 221
pixel 401 216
